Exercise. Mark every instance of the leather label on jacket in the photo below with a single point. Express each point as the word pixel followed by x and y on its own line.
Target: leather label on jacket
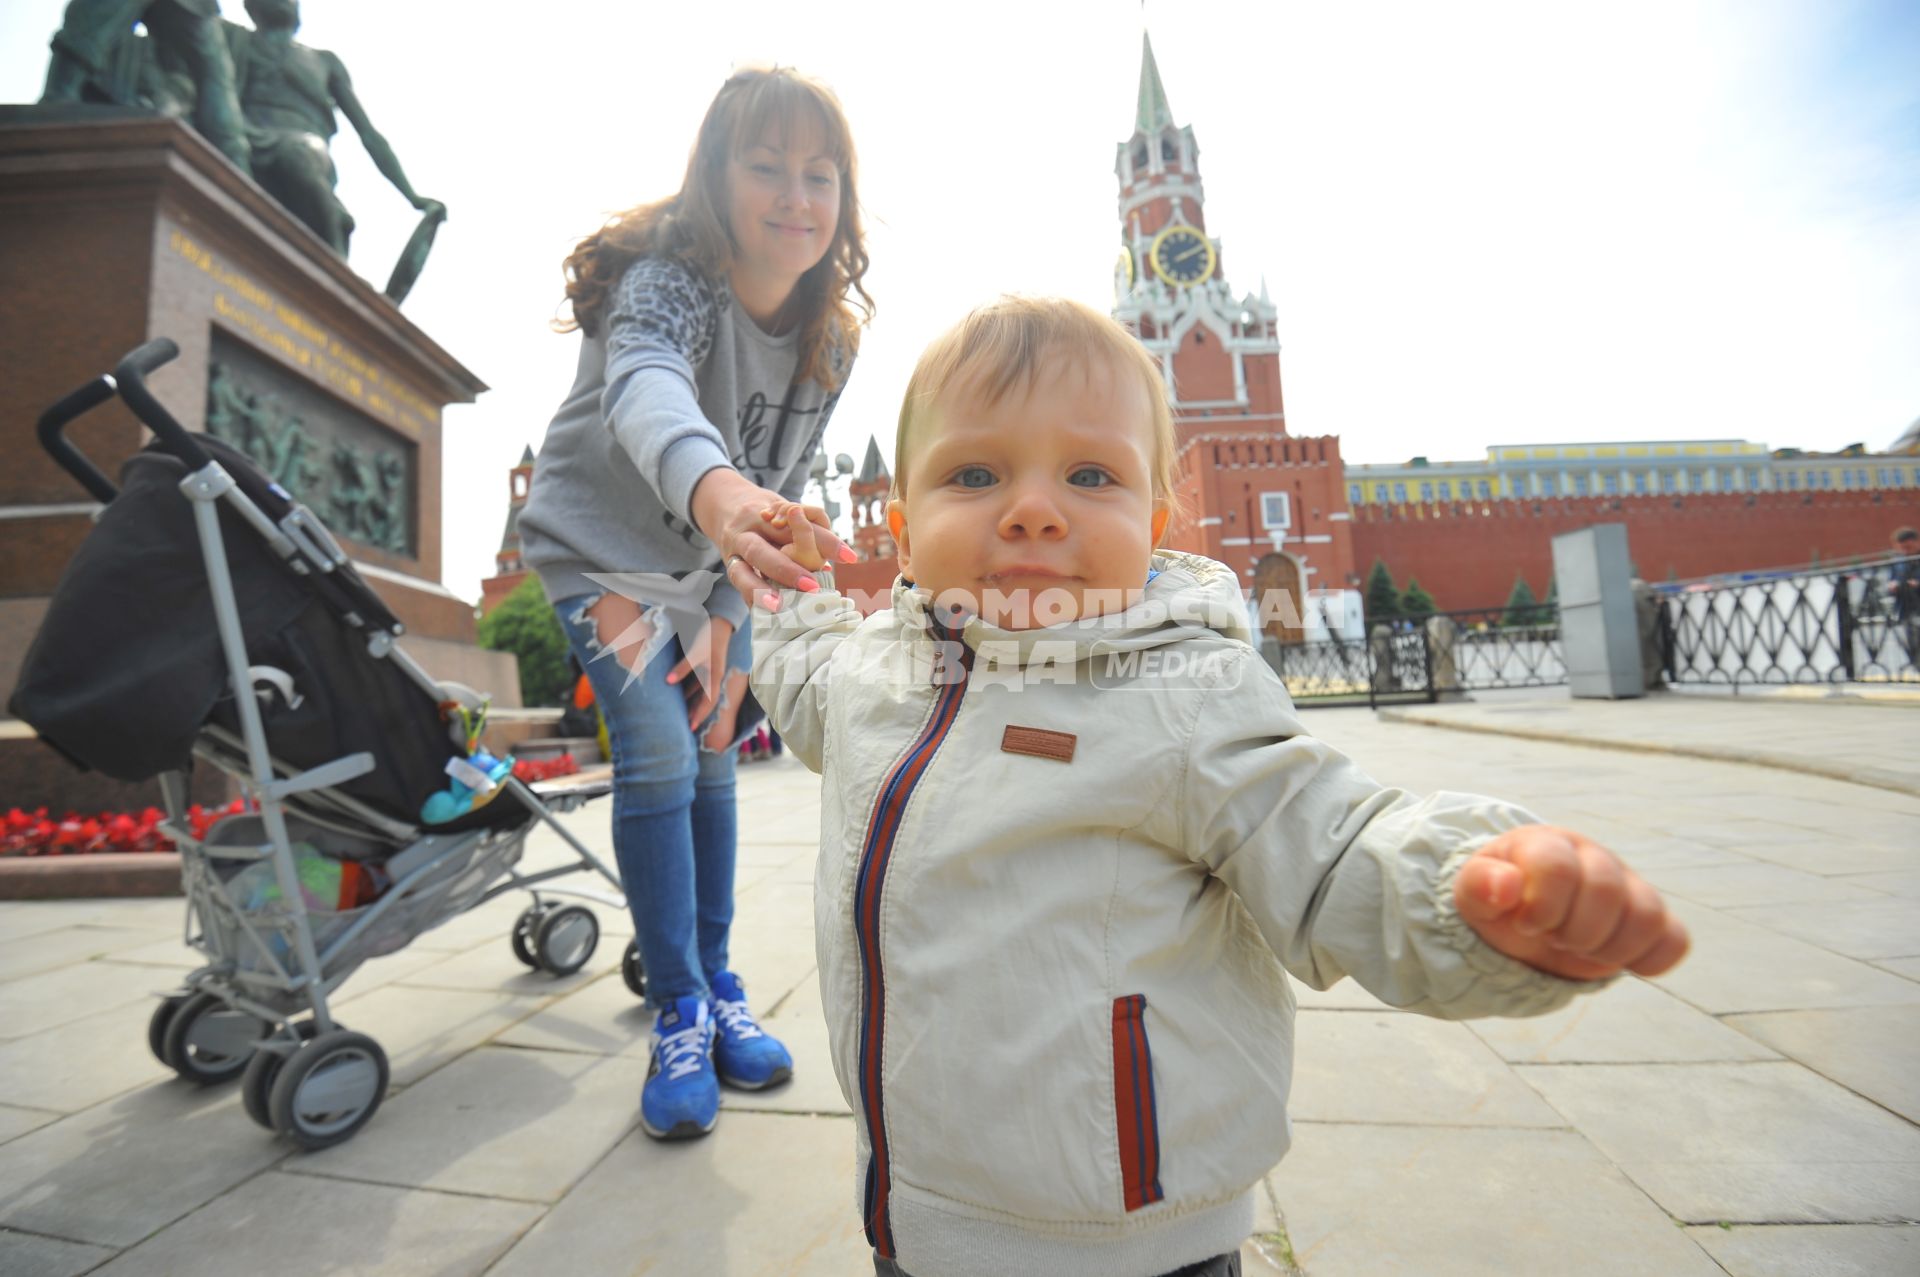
pixel 1039 742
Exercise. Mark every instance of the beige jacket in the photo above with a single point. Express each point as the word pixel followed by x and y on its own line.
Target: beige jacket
pixel 1060 873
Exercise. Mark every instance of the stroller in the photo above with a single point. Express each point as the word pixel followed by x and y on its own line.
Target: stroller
pixel 209 616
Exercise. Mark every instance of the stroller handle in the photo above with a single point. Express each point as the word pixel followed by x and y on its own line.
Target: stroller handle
pixel 131 375
pixel 53 422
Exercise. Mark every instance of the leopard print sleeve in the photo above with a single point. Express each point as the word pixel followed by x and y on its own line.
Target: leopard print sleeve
pixel 663 304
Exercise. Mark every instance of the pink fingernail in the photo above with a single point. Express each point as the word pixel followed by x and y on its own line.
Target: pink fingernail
pixel 807 584
pixel 847 555
pixel 771 602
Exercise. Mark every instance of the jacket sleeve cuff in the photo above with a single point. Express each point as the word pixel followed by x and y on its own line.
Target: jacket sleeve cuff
pixel 1508 984
pixel 687 461
pixel 725 604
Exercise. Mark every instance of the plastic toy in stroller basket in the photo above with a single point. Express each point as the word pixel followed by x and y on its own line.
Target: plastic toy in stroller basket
pixel 209 616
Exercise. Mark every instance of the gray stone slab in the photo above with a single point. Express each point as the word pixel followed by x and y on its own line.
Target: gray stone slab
pixel 64 946
pixel 1730 886
pixel 1872 1050
pixel 1807 1250
pixel 377 973
pixel 1631 1022
pixel 20 918
pixel 422 1030
pixel 1827 856
pixel 78 1064
pixel 1398 1201
pixel 812 1088
pixel 1358 1066
pixel 153 1155
pixel 803 1000
pixel 604 1018
pixel 498 1123
pixel 25 1255
pixel 172 952
pixel 16 1121
pixel 1885 928
pixel 1744 1143
pixel 775 1195
pixel 49 999
pixel 283 1223
pixel 492 966
pixel 1902 882
pixel 1907 967
pixel 1738 965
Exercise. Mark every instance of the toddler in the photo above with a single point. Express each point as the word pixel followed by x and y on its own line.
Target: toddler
pixel 1072 832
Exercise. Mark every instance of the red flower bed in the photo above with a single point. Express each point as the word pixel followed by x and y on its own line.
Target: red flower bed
pixel 529 770
pixel 35 833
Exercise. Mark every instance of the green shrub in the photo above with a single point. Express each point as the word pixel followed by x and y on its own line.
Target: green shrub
pixel 525 625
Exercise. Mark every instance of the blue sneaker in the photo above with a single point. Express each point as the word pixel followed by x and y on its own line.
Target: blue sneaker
pixel 681 1099
pixel 746 1055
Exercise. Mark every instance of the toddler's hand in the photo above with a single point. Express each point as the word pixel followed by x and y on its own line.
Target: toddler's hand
pixel 1566 905
pixel 802 523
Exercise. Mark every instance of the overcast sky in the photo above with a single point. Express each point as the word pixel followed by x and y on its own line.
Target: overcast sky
pixel 1482 223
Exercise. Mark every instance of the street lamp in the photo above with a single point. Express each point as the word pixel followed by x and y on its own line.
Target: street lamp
pixel 842 467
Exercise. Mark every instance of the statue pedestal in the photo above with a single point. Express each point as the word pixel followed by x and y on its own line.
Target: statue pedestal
pixel 119 229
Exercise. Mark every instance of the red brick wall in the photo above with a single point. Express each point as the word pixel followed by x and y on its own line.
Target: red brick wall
pixel 1470 559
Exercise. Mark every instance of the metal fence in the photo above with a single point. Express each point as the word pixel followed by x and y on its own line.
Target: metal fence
pixel 1853 625
pixel 1406 661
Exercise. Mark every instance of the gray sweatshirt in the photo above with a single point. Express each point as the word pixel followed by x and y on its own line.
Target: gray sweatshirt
pixel 680 382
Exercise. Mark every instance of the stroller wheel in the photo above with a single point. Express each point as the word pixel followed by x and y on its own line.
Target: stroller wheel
pixel 328 1089
pixel 523 927
pixel 633 971
pixel 206 1041
pixel 157 1026
pixel 256 1084
pixel 565 938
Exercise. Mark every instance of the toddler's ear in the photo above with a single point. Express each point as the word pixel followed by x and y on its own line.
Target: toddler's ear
pixel 1162 513
pixel 897 525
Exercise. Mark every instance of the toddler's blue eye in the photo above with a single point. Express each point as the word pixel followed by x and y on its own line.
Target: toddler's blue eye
pixel 1088 477
pixel 974 477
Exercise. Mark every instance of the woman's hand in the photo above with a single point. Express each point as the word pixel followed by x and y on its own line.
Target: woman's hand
pixel 728 508
pixel 706 660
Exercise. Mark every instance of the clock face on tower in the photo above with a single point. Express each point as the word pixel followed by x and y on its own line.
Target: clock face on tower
pixel 1182 256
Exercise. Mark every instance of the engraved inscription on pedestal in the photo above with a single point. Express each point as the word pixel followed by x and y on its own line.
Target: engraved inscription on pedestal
pixel 357 476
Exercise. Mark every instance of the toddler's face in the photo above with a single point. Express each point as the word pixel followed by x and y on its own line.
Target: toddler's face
pixel 1037 509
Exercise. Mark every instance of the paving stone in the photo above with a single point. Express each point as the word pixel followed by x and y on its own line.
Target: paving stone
pixel 78 1064
pixel 603 1018
pixel 1839 858
pixel 25 1255
pixel 1872 1050
pixel 803 1000
pixel 1739 965
pixel 282 1223
pixel 1903 882
pixel 1746 1143
pixel 492 966
pixel 1386 1201
pixel 377 973
pixel 421 1030
pixel 1631 1022
pixel 152 1155
pixel 774 1194
pixel 1730 886
pixel 49 999
pixel 1907 967
pixel 1805 1250
pixel 65 946
pixel 496 1122
pixel 1352 1066
pixel 813 1088
pixel 173 952
pixel 1883 928
pixel 16 1121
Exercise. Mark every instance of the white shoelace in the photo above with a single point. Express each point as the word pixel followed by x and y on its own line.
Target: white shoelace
pixel 737 1018
pixel 683 1050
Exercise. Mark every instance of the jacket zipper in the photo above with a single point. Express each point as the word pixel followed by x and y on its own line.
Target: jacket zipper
pixel 1133 1104
pixel 888 812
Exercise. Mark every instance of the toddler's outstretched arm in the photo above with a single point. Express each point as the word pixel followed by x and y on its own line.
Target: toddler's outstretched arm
pixel 793 645
pixel 1566 905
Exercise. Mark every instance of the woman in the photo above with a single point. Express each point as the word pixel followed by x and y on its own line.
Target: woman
pixel 717 328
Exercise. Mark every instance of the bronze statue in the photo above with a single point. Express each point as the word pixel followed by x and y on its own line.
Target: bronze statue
pixel 183 67
pixel 288 93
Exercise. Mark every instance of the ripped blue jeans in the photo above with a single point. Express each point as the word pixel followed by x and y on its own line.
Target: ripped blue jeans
pixel 673 810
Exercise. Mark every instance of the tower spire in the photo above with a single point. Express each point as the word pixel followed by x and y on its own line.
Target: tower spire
pixel 1154 113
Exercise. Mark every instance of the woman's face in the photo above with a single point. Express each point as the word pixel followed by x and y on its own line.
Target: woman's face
pixel 783 205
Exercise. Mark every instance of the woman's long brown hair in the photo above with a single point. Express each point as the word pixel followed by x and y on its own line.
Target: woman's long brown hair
pixel 691 226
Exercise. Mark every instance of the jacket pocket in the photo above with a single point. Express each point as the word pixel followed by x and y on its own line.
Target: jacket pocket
pixel 1133 1104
